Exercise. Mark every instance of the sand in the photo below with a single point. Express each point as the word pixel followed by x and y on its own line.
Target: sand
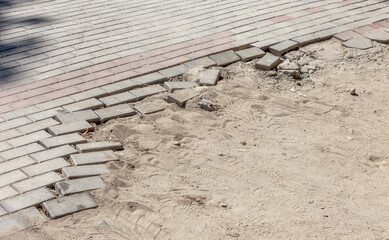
pixel 279 159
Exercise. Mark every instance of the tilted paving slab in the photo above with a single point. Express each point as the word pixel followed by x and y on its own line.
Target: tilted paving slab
pixel 11 177
pixel 144 92
pixel 98 146
pixel 108 113
pixel 21 151
pixel 250 53
pixel 174 71
pixel 46 114
pixel 8 134
pixel 148 79
pixel 359 43
pixel 79 185
pixel 378 36
pixel 119 87
pixel 47 166
pixel 92 93
pixel 268 62
pixel 16 163
pixel 210 77
pixel 37 126
pixel 280 48
pixel 180 97
pixel 87 115
pixel 27 200
pixel 20 221
pixel 151 107
pixel 6 192
pixel 173 86
pixel 91 103
pixel 72 127
pixel 85 171
pixel 73 138
pixel 225 58
pixel 124 97
pixel 204 62
pixel 46 179
pixel 29 138
pixel 63 206
pixel 62 151
pixel 93 158
pixel 20 112
pixel 14 123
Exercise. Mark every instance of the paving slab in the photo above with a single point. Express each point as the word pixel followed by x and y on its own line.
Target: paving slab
pixel 108 113
pixel 280 48
pixel 378 36
pixel 29 138
pixel 225 58
pixel 210 77
pixel 20 221
pixel 21 151
pixel 11 177
pixel 172 86
pixel 46 179
pixel 73 138
pixel 5 146
pixel 151 107
pixel 98 146
pixel 91 103
pixel 92 93
pixel 250 53
pixel 37 126
pixel 46 114
pixel 141 93
pixel 79 185
pixel 47 166
pixel 80 126
pixel 20 112
pixel 85 171
pixel 93 158
pixel 6 192
pixel 14 123
pixel 62 151
pixel 85 115
pixel 8 134
pixel 174 71
pixel 148 79
pixel 63 206
pixel 30 199
pixel 204 62
pixel 119 87
pixel 268 62
pixel 55 103
pixel 16 163
pixel 180 97
pixel 2 211
pixel 124 97
pixel 359 42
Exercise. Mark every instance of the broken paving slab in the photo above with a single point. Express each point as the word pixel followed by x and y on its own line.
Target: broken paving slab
pixel 268 62
pixel 174 71
pixel 359 43
pixel 108 113
pixel 98 146
pixel 87 115
pixel 210 77
pixel 180 97
pixel 27 200
pixel 124 97
pixel 141 93
pixel 85 171
pixel 250 53
pixel 173 86
pixel 81 126
pixel 204 62
pixel 280 48
pixel 148 79
pixel 62 151
pixel 225 58
pixel 378 36
pixel 93 158
pixel 60 207
pixel 73 138
pixel 79 185
pixel 151 107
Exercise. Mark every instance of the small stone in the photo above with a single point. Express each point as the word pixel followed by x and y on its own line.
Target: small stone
pixel 208 105
pixel 220 154
pixel 271 74
pixel 359 42
pixel 177 143
pixel 243 143
pixel 288 65
pixel 353 91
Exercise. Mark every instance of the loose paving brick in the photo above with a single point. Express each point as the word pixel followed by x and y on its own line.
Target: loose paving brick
pixel 15 164
pixel 30 199
pixel 14 123
pixel 268 62
pixel 37 126
pixel 283 47
pixel 46 114
pixel 359 42
pixel 29 138
pixel 68 205
pixel 378 36
pixel 172 86
pixel 148 79
pixel 151 107
pixel 80 126
pixel 85 115
pixel 43 180
pixel 108 113
pixel 11 133
pixel 57 141
pixel 98 146
pixel 91 103
pixel 62 151
pixel 93 158
pixel 174 71
pixel 11 177
pixel 79 185
pixel 141 93
pixel 85 171
pixel 6 192
pixel 210 77
pixel 119 87
pixel 250 53
pixel 21 151
pixel 225 58
pixel 204 62
pixel 48 166
pixel 20 221
pixel 180 97
pixel 125 97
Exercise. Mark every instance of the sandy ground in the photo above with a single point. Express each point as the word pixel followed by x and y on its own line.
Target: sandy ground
pixel 280 159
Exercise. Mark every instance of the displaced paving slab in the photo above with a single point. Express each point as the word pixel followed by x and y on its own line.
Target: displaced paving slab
pixel 93 158
pixel 86 115
pixel 73 138
pixel 280 48
pixel 250 53
pixel 62 151
pixel 173 86
pixel 378 36
pixel 174 71
pixel 60 207
pixel 180 97
pixel 27 200
pixel 359 43
pixel 225 58
pixel 98 146
pixel 85 171
pixel 268 62
pixel 151 107
pixel 123 110
pixel 210 77
pixel 80 126
pixel 79 185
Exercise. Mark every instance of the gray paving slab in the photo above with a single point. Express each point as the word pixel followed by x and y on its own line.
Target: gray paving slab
pixel 144 92
pixel 148 79
pixel 378 36
pixel 98 146
pixel 108 113
pixel 21 151
pixel 119 87
pixel 5 146
pixel 210 77
pixel 172 86
pixel 14 123
pixel 55 103
pixel 2 211
pixel 20 112
pixel 359 43
pixel 73 138
pixel 124 97
pixel 6 192
pixel 46 179
pixel 85 171
pixel 174 71
pixel 22 220
pixel 250 53
pixel 8 134
pixel 46 114
pixel 151 107
pixel 180 97
pixel 93 158
pixel 26 200
pixel 92 93
pixel 87 115
pixel 225 58
pixel 91 103
pixel 29 138
pixel 68 205
pixel 62 151
pixel 66 128
pixel 16 163
pixel 11 177
pixel 280 48
pixel 68 187
pixel 47 166
pixel 204 62
pixel 268 62
pixel 37 126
